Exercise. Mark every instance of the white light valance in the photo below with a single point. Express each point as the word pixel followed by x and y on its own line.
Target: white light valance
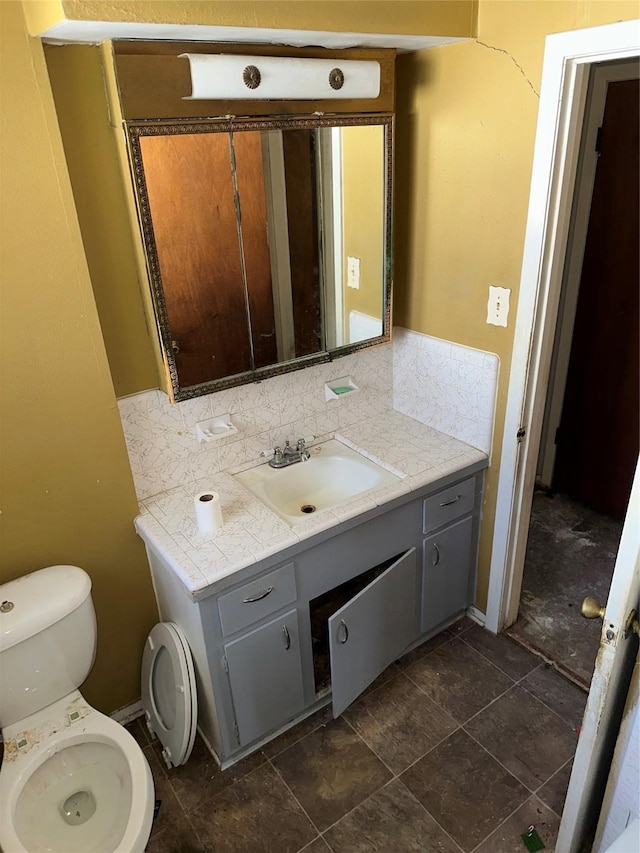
pixel 229 77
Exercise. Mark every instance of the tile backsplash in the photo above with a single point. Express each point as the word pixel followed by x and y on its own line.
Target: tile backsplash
pixel 161 438
pixel 446 386
pixel 443 385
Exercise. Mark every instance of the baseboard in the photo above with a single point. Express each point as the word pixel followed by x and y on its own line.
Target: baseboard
pixel 477 615
pixel 128 713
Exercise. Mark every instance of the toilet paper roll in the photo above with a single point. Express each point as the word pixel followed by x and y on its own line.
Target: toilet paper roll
pixel 208 512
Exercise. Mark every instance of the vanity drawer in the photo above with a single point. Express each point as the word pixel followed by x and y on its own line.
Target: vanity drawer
pixel 257 599
pixel 448 504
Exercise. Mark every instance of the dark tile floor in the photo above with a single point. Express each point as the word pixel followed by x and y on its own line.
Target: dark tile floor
pixel 571 551
pixel 459 746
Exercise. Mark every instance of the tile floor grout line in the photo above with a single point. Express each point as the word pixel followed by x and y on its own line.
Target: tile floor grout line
pixel 210 799
pixel 484 707
pixel 535 669
pixel 434 819
pixel 553 711
pixel 386 785
pixel 394 776
pixel 195 832
pixel 304 811
pixel 420 757
pixel 513 683
pixel 537 791
pixel 360 699
pixel 431 699
pixel 502 823
pixel 504 767
pixel 301 738
pixel 351 811
pixel 488 660
pixel 488 705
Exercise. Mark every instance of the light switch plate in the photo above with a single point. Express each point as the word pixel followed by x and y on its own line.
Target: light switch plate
pixel 353 272
pixel 498 305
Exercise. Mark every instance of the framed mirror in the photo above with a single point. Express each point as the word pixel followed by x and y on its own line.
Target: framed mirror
pixel 268 242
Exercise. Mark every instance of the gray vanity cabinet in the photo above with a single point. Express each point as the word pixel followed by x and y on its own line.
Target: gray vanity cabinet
pixel 265 675
pixel 450 519
pixel 320 621
pixel 372 630
pixel 446 558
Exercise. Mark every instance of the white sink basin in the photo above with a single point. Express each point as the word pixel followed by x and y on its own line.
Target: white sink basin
pixel 333 474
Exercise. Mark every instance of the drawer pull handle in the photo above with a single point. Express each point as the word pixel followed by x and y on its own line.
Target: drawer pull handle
pixel 258 597
pixel 452 501
pixel 437 557
pixel 345 630
pixel 287 637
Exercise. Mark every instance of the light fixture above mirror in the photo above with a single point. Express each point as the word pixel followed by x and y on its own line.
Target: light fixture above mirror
pixel 265 220
pixel 229 76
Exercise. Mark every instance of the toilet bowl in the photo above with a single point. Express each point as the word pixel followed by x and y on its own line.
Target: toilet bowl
pixel 73 786
pixel 72 780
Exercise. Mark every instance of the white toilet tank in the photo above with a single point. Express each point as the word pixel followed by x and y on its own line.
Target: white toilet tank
pixel 47 639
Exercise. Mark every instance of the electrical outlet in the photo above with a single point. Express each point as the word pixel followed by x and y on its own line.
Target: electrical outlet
pixel 498 305
pixel 353 272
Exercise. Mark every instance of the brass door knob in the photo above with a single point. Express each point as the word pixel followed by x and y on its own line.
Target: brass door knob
pixel 632 625
pixel 592 609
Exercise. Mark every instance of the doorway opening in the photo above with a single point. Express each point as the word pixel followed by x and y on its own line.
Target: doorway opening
pixel 590 431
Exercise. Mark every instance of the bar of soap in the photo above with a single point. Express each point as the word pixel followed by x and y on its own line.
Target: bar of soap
pixel 342 390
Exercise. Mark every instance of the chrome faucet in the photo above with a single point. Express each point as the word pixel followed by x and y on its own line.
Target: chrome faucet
pixel 289 456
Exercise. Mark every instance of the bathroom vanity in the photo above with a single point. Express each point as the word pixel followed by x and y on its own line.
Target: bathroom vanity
pixel 319 620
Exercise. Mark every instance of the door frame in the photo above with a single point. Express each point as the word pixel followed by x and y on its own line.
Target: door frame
pixel 604 74
pixel 568 59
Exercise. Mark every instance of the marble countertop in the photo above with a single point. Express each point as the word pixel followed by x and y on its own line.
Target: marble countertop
pixel 417 454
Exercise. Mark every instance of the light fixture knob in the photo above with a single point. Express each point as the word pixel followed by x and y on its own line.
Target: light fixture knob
pixel 251 76
pixel 336 78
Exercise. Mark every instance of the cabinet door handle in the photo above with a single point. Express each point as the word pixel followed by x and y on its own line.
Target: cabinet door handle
pixel 437 557
pixel 258 597
pixel 452 501
pixel 345 630
pixel 287 637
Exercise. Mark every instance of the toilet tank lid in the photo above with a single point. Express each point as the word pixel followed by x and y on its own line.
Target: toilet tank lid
pixel 40 599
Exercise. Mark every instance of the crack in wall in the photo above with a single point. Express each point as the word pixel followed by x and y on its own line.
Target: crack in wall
pixel 518 66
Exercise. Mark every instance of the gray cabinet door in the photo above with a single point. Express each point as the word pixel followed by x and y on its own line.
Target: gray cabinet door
pixel 265 673
pixel 447 562
pixel 372 630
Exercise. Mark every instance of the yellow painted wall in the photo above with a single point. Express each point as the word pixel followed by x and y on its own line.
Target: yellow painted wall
pixel 67 491
pixel 465 136
pixel 434 17
pixel 77 81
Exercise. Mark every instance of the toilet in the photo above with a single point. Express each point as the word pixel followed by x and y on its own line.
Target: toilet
pixel 72 779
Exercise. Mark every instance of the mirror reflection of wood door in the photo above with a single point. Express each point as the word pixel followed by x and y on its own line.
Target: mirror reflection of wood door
pixel 191 197
pixel 597 443
pixel 247 147
pixel 301 195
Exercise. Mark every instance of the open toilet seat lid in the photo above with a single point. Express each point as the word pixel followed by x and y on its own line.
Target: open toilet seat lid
pixel 169 694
